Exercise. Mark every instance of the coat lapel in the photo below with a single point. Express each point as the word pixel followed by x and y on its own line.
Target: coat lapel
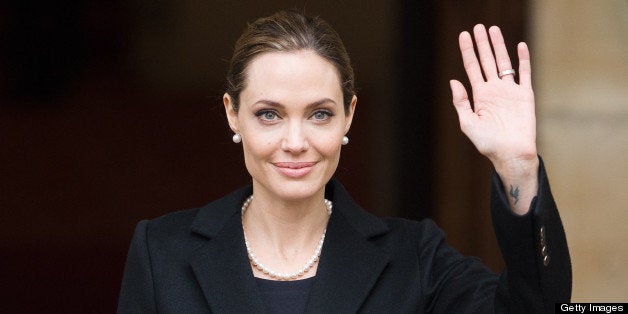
pixel 221 266
pixel 350 264
pixel 348 269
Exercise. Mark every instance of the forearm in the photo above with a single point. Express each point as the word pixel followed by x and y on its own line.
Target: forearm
pixel 534 248
pixel 520 180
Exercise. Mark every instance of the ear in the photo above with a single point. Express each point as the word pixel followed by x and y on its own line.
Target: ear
pixel 232 115
pixel 349 116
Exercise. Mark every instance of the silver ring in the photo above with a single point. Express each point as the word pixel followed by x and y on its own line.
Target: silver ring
pixel 506 72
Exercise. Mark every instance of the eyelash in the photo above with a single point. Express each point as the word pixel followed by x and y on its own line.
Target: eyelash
pixel 328 114
pixel 261 115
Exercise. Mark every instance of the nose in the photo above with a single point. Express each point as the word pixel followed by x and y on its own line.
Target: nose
pixel 295 139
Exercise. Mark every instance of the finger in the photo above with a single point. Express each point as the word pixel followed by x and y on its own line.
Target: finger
pixel 470 61
pixel 462 104
pixel 525 70
pixel 484 49
pixel 501 53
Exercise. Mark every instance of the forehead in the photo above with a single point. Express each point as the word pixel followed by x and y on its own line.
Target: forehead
pixel 295 75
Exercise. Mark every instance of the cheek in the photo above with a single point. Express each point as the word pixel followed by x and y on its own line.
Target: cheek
pixel 258 146
pixel 326 139
pixel 329 145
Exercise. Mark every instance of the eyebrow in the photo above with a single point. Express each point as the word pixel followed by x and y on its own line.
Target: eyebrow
pixel 280 106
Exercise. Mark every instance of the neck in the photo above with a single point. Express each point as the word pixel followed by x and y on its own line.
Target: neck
pixel 284 233
pixel 284 220
pixel 283 254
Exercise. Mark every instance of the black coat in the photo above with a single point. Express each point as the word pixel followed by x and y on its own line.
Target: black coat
pixel 195 261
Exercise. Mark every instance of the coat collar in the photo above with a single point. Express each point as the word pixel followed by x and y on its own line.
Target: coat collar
pixel 343 279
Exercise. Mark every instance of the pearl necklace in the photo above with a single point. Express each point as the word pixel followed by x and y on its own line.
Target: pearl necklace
pixel 281 276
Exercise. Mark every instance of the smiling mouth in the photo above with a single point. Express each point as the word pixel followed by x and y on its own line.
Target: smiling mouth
pixel 294 169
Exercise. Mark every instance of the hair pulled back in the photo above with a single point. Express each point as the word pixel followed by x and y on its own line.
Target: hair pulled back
pixel 288 31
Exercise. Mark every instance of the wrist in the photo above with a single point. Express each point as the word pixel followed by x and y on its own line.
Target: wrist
pixel 517 169
pixel 520 180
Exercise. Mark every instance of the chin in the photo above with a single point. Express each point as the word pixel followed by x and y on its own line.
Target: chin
pixel 296 189
pixel 293 189
pixel 300 189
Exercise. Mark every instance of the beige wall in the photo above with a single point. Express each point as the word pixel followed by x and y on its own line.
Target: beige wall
pixel 580 71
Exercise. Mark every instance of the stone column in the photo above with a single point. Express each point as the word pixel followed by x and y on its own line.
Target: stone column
pixel 580 76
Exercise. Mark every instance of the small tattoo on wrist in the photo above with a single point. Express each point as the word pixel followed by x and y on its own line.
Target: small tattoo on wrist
pixel 514 193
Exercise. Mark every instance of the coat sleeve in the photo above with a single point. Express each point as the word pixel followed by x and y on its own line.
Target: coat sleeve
pixel 137 292
pixel 534 247
pixel 538 266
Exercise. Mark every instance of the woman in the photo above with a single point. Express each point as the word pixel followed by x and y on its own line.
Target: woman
pixel 294 241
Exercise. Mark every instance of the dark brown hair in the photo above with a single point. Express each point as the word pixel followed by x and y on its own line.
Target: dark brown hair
pixel 287 31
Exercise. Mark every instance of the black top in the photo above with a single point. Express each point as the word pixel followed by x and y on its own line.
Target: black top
pixel 285 296
pixel 195 261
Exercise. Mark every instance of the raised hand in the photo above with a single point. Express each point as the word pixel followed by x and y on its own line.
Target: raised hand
pixel 501 123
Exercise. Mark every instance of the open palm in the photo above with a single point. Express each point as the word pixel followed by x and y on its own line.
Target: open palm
pixel 501 122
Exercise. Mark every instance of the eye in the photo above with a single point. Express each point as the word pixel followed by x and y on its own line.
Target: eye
pixel 267 115
pixel 322 115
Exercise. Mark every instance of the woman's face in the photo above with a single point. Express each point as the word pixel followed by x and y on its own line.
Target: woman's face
pixel 292 120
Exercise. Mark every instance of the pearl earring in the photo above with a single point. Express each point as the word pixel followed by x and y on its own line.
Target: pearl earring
pixel 237 138
pixel 345 140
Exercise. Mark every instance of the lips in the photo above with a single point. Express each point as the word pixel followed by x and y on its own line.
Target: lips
pixel 294 169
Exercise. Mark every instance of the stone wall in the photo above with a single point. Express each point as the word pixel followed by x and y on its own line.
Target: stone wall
pixel 580 75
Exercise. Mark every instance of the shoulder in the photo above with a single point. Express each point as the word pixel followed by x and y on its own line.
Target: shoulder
pixel 369 225
pixel 404 236
pixel 169 233
pixel 421 232
pixel 388 232
pixel 172 223
pixel 187 225
pixel 423 225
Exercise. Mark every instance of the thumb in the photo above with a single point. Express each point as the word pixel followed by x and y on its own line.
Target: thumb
pixel 461 102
